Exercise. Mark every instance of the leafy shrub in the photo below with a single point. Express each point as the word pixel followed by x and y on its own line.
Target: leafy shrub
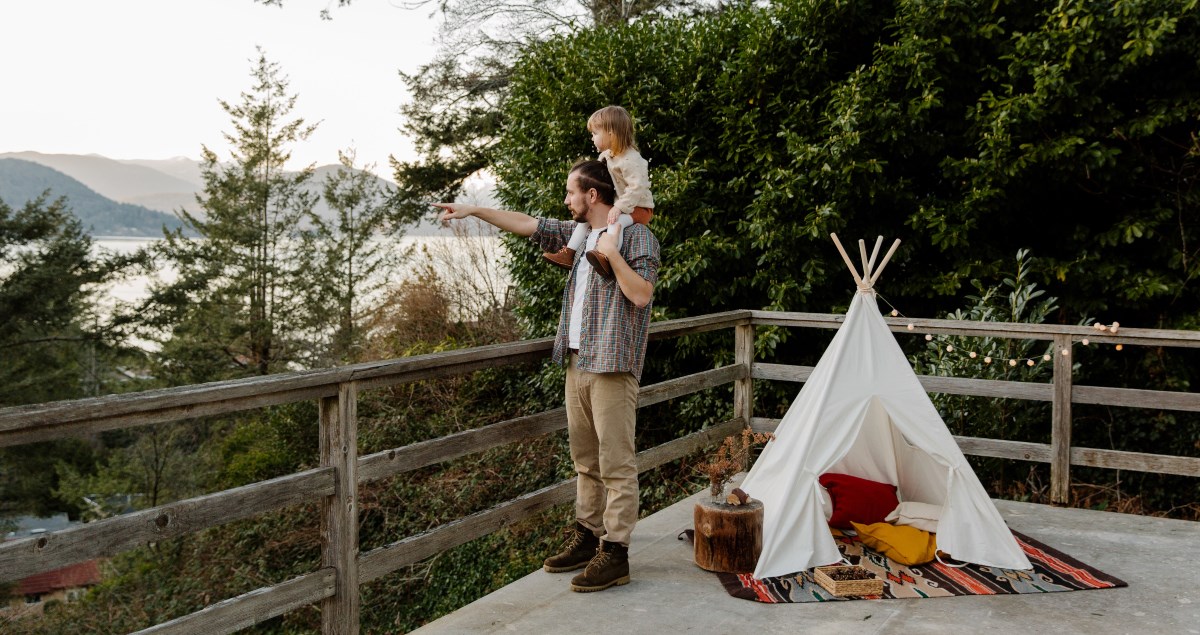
pixel 969 129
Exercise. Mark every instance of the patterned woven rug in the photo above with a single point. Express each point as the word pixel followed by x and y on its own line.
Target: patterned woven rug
pixel 1053 571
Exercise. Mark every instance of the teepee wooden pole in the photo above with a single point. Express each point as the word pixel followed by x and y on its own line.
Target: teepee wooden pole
pixel 875 252
pixel 886 258
pixel 842 250
pixel 862 253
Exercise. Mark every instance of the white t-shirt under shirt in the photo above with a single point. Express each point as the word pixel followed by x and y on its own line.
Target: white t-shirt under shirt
pixel 583 273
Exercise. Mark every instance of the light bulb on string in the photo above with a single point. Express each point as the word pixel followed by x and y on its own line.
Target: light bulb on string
pixel 1107 329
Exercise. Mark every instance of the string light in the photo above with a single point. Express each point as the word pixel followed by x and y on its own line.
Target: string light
pixel 1012 362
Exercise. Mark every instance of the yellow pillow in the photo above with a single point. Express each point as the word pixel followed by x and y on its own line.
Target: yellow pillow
pixel 904 544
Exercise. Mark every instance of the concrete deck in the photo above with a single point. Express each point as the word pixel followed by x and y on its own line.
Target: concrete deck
pixel 1157 557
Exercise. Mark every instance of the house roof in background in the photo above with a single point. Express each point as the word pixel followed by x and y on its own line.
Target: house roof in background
pixel 71 577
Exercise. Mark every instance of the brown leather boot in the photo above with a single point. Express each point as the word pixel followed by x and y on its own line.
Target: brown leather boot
pixel 610 567
pixel 599 262
pixel 579 549
pixel 564 257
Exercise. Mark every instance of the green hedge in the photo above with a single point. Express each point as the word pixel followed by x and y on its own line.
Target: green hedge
pixel 969 129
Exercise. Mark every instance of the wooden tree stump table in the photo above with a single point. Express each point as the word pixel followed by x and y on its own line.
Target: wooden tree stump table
pixel 728 537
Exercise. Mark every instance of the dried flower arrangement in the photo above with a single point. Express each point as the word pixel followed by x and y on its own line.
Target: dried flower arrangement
pixel 732 457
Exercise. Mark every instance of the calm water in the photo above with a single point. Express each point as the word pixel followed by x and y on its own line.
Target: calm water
pixel 469 267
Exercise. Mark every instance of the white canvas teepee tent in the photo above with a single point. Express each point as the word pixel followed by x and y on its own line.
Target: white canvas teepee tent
pixel 863 412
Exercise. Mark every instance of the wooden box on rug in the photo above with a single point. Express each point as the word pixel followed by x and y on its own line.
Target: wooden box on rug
pixel 827 577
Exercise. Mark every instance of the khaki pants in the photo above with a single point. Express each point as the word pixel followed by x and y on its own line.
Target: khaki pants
pixel 601 411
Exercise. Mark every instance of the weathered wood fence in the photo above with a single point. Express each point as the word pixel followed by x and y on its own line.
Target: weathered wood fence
pixel 1061 391
pixel 335 585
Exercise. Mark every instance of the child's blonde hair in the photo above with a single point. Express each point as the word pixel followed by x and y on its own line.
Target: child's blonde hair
pixel 617 122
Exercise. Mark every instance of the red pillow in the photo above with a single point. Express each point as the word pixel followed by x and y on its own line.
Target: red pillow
pixel 858 500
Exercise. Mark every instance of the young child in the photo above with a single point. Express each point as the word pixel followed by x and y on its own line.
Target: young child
pixel 612 132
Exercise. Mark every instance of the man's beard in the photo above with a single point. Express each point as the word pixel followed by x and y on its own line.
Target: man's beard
pixel 581 216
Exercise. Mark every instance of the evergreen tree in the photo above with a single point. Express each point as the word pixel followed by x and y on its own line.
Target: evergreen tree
pixel 455 117
pixel 350 263
pixel 54 342
pixel 235 308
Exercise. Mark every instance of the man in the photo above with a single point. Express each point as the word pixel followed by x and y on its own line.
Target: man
pixel 601 338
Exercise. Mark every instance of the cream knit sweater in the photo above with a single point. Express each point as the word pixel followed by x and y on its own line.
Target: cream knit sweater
pixel 631 176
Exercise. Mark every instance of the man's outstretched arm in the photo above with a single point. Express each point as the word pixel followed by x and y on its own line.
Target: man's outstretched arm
pixel 515 222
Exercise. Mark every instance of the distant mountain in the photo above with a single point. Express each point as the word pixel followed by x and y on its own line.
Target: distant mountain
pixel 168 185
pixel 165 186
pixel 22 181
pixel 181 168
pixel 426 226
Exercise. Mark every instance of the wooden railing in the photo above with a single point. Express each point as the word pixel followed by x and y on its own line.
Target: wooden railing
pixel 335 584
pixel 1061 391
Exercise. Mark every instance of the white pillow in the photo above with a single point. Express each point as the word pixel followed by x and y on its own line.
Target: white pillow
pixel 826 503
pixel 923 516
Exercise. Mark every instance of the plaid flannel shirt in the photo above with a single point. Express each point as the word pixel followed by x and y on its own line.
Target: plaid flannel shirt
pixel 615 330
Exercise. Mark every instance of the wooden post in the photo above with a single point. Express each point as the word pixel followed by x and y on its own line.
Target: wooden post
pixel 1060 431
pixel 743 389
pixel 339 512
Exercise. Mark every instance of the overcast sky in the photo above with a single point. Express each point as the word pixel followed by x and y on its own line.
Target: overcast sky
pixel 140 79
